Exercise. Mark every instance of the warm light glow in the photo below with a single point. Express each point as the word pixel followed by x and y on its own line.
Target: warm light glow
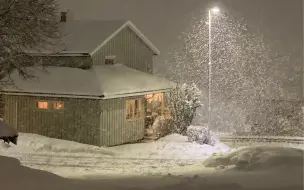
pixel 215 10
pixel 154 97
pixel 42 105
pixel 133 109
pixel 58 105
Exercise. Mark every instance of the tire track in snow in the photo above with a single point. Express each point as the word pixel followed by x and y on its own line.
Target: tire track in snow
pixel 53 160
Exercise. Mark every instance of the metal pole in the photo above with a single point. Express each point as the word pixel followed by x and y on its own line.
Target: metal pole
pixel 209 72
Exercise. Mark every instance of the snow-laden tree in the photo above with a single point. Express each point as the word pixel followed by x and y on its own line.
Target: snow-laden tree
pixel 183 101
pixel 245 68
pixel 25 25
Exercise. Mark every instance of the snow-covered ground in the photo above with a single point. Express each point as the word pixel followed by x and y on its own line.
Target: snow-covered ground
pixel 71 159
pixel 170 163
pixel 173 147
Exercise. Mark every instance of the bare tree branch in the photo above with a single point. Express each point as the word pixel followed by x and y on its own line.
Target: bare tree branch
pixel 26 27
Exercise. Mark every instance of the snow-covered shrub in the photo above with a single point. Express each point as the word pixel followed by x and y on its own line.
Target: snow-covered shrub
pixel 183 101
pixel 160 126
pixel 200 134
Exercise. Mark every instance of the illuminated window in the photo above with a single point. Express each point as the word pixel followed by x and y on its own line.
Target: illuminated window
pixel 156 104
pixel 133 109
pixel 42 105
pixel 58 105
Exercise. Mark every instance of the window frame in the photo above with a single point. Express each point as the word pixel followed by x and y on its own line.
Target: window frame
pixel 58 102
pixel 63 16
pixel 137 112
pixel 50 105
pixel 42 109
pixel 164 109
pixel 111 58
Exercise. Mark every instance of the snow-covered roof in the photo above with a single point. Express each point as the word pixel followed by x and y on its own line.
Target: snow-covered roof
pixel 107 81
pixel 56 80
pixel 119 80
pixel 88 36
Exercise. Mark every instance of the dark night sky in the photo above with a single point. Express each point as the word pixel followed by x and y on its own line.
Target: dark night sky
pixel 162 21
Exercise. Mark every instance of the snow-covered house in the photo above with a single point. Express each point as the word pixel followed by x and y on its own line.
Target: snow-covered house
pixel 96 92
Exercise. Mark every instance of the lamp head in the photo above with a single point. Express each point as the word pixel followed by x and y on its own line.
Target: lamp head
pixel 215 10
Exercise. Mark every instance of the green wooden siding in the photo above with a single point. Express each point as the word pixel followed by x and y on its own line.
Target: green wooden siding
pixel 114 128
pixel 79 121
pixel 129 49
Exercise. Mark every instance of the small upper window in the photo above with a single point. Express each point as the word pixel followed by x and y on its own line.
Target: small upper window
pixel 110 60
pixel 42 105
pixel 63 16
pixel 58 105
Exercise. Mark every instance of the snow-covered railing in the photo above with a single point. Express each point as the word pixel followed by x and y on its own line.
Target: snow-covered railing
pixel 296 140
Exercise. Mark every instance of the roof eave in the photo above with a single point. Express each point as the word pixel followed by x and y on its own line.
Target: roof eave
pixel 80 96
pixel 140 93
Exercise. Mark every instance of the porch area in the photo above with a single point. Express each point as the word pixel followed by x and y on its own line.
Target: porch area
pixel 157 116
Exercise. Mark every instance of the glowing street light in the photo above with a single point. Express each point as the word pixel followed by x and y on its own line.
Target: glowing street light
pixel 214 10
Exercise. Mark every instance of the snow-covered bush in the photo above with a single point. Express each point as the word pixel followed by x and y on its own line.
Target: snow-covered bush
pixel 160 126
pixel 200 134
pixel 183 101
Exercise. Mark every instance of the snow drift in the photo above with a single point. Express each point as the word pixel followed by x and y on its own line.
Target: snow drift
pixel 173 147
pixel 38 143
pixel 258 158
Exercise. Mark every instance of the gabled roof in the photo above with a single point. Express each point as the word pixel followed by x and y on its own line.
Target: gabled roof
pixel 107 81
pixel 88 36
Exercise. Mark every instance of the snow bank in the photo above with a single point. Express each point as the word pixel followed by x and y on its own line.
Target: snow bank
pixel 15 176
pixel 171 147
pixel 174 138
pixel 258 158
pixel 37 143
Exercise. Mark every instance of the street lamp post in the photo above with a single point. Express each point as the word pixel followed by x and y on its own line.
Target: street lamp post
pixel 213 10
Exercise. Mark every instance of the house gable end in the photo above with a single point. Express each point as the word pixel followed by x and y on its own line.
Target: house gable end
pixel 130 25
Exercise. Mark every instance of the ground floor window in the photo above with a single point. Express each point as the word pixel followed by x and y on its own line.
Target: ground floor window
pixel 133 109
pixel 58 105
pixel 45 105
pixel 156 104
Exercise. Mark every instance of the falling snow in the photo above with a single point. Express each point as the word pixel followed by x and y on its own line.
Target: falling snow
pixel 246 73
